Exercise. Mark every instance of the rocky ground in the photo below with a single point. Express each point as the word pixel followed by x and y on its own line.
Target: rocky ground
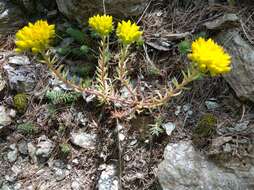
pixel 64 140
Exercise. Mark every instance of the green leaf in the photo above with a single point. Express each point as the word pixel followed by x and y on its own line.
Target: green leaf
pixel 76 34
pixel 184 46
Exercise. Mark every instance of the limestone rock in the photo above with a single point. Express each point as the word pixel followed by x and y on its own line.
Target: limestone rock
pixel 80 10
pixel 184 168
pixel 21 73
pixel 84 140
pixel 241 76
pixel 108 179
pixel 5 119
pixel 224 22
pixel 44 148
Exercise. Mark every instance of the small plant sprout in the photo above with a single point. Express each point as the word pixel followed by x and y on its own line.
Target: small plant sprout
pixel 207 57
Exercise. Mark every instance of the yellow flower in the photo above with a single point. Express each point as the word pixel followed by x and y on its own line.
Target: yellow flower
pixel 128 32
pixel 35 37
pixel 210 57
pixel 103 25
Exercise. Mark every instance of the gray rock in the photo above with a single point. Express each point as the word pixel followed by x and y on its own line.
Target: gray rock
pixel 60 174
pixel 11 17
pixel 80 10
pixel 108 179
pixel 84 140
pixel 169 127
pixel 211 104
pixel 5 119
pixel 6 187
pixel 21 73
pixel 224 22
pixel 31 151
pixel 184 168
pixel 13 154
pixel 76 186
pixel 22 147
pixel 44 147
pixel 241 76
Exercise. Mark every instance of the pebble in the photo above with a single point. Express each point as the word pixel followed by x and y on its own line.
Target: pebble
pixel 75 185
pixel 13 154
pixel 84 140
pixel 169 127
pixel 22 147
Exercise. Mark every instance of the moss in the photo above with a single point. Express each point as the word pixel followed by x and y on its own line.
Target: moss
pixel 21 102
pixel 204 130
pixel 27 128
pixel 65 149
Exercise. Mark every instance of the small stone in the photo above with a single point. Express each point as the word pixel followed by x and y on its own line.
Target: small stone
pixel 21 73
pixel 19 60
pixel 5 187
pixel 126 158
pixel 44 147
pixel 186 107
pixel 22 147
pixel 169 127
pixel 121 137
pixel 17 186
pixel 84 140
pixel 13 154
pixel 5 119
pixel 133 142
pixel 223 22
pixel 16 170
pixel 108 179
pixel 76 186
pixel 75 161
pixel 11 178
pixel 60 174
pixel 31 151
pixel 12 113
pixel 178 110
pixel 211 104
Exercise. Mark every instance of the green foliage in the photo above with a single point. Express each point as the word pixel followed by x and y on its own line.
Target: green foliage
pixel 156 129
pixel 184 46
pixel 61 97
pixel 27 128
pixel 21 102
pixel 76 34
pixel 74 43
pixel 65 149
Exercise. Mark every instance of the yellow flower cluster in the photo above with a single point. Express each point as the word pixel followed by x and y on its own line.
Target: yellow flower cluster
pixel 35 37
pixel 128 33
pixel 103 25
pixel 210 57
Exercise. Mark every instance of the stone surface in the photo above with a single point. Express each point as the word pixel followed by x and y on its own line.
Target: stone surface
pixel 169 127
pixel 184 168
pixel 108 179
pixel 44 147
pixel 11 17
pixel 31 151
pixel 84 140
pixel 13 153
pixel 22 147
pixel 241 76
pixel 224 22
pixel 5 119
pixel 80 10
pixel 21 73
